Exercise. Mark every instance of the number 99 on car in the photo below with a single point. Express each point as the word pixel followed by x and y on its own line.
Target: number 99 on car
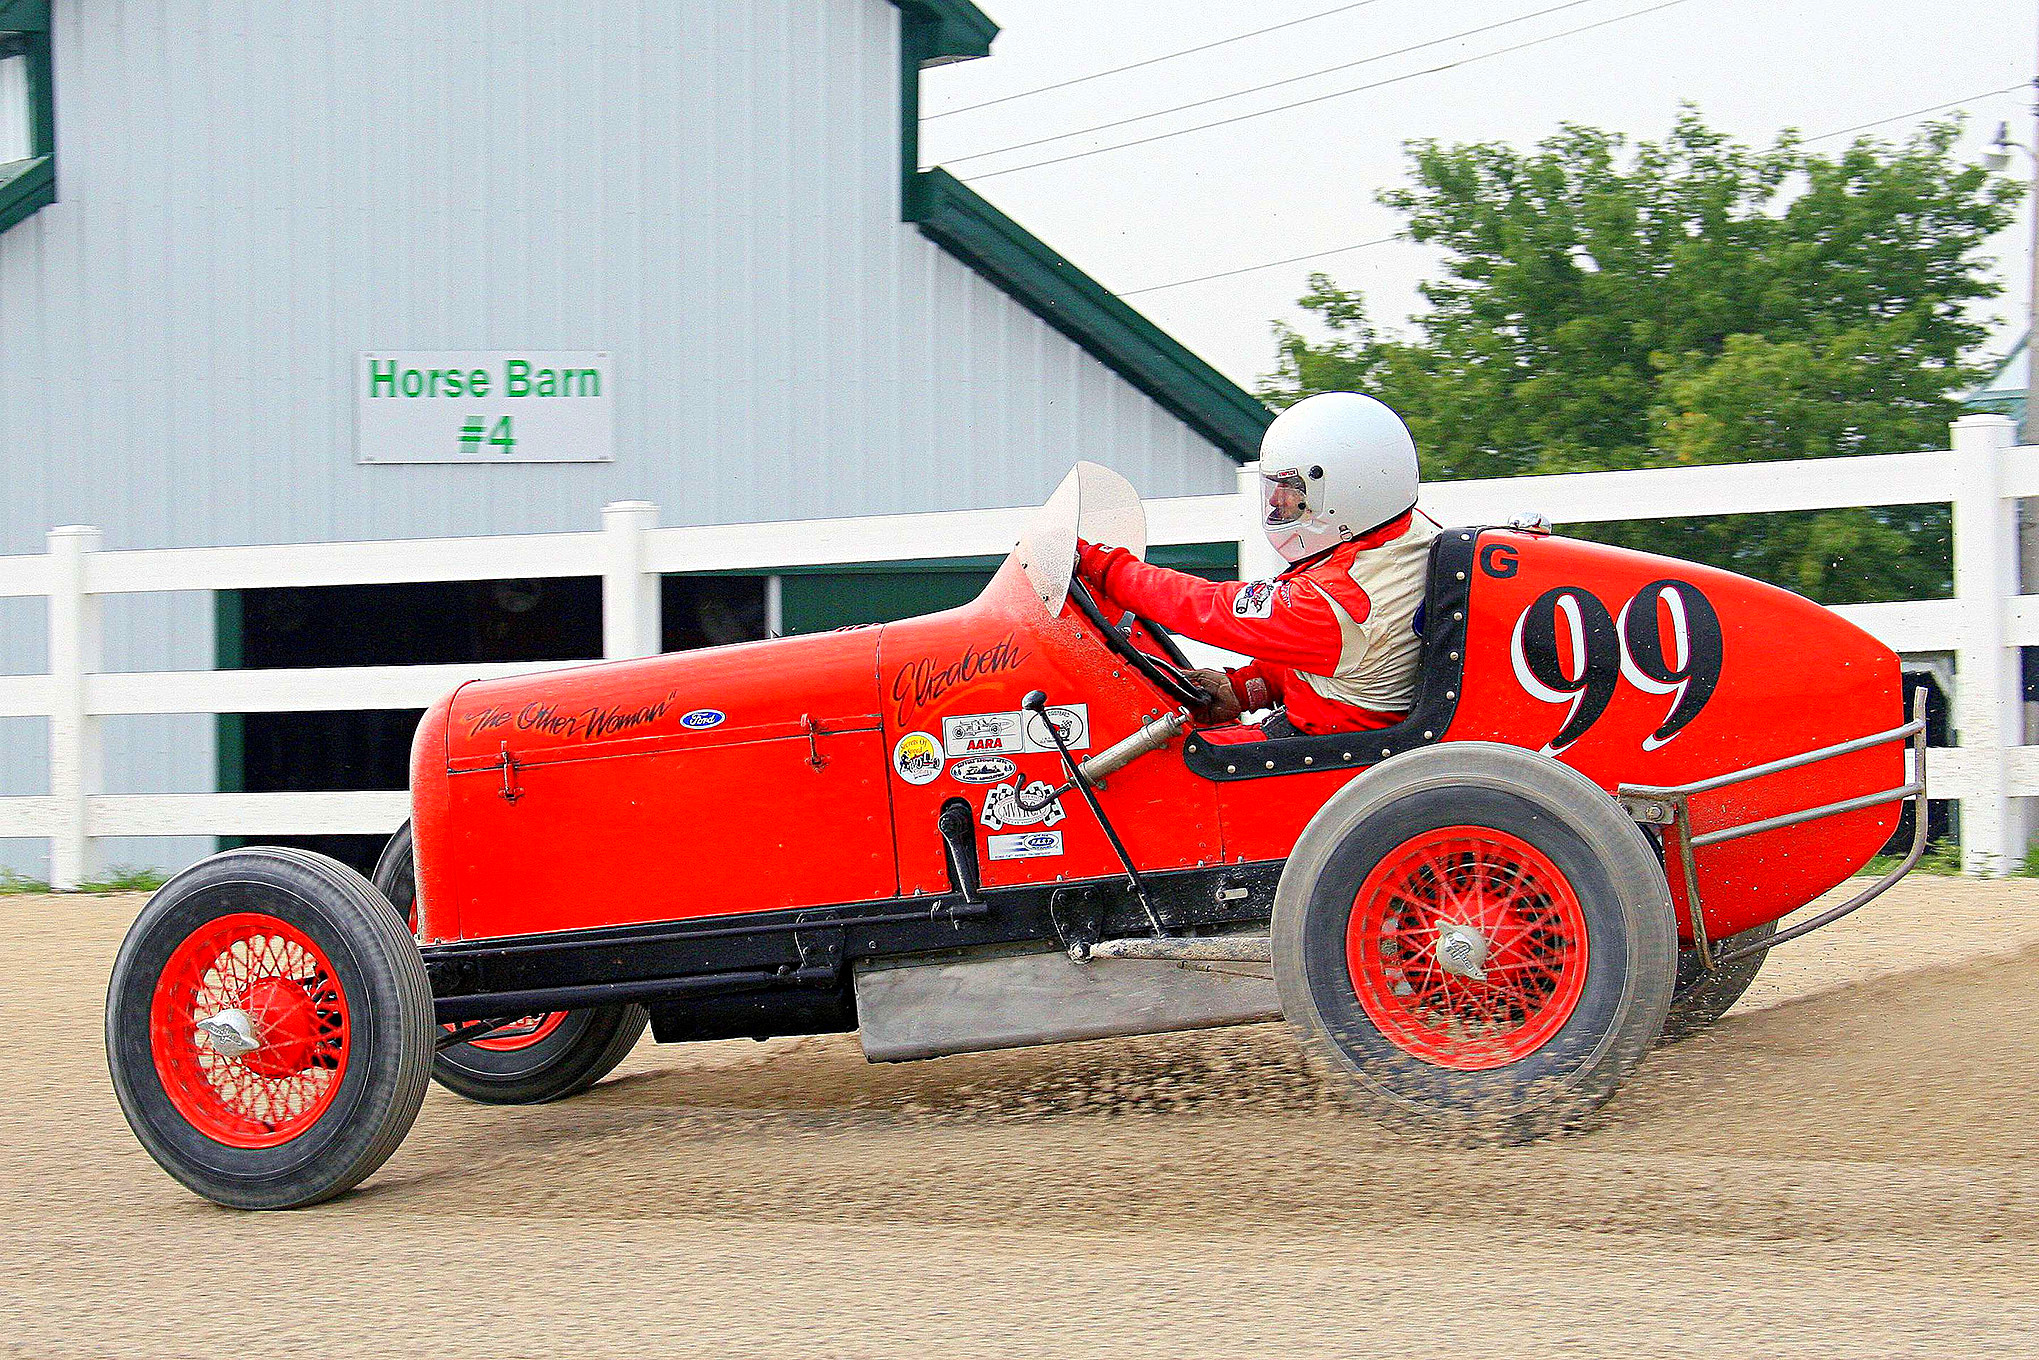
pixel 1665 641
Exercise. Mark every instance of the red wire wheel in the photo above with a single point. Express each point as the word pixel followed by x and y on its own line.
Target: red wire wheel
pixel 529 1031
pixel 283 983
pixel 1442 885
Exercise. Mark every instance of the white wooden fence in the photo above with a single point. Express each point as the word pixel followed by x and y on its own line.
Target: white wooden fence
pixel 1992 772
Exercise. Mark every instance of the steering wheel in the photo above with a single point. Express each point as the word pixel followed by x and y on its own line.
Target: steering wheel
pixel 1167 675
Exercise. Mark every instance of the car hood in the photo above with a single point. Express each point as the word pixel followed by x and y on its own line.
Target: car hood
pixel 718 696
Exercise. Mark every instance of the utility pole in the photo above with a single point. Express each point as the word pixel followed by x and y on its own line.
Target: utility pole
pixel 2028 430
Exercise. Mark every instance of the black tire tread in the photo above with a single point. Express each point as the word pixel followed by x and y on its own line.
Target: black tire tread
pixel 611 1033
pixel 386 947
pixel 1700 1000
pixel 1572 800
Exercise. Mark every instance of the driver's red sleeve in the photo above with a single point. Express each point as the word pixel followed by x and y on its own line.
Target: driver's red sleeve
pixel 1256 686
pixel 1288 623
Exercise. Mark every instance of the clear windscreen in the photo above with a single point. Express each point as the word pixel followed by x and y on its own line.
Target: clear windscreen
pixel 1093 503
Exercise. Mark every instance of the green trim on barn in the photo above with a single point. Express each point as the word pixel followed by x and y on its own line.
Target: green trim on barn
pixel 29 186
pixel 932 33
pixel 1020 264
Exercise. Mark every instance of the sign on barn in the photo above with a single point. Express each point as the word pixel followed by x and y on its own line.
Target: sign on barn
pixel 469 406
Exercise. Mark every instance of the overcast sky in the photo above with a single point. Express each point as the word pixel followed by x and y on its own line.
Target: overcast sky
pixel 1296 182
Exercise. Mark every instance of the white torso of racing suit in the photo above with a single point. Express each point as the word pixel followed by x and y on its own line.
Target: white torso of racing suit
pixel 1381 653
pixel 1333 638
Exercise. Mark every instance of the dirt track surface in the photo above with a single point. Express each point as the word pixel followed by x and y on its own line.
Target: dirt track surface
pixel 1845 1165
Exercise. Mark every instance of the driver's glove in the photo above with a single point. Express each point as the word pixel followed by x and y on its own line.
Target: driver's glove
pixel 1221 702
pixel 1094 562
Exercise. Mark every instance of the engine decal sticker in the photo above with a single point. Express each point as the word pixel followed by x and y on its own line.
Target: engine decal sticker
pixel 1003 807
pixel 982 770
pixel 1071 720
pixel 1025 845
pixel 1255 600
pixel 920 683
pixel 701 719
pixel 918 758
pixel 988 734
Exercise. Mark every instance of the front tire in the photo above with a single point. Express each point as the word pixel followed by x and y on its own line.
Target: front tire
pixel 542 1057
pixel 269 1028
pixel 1479 939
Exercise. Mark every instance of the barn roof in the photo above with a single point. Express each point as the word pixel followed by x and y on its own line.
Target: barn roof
pixel 964 223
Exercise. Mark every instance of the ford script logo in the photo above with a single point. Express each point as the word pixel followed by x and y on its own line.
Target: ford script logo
pixel 702 718
pixel 983 769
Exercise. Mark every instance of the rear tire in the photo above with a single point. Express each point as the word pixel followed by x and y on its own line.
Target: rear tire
pixel 546 1057
pixel 300 956
pixel 1703 998
pixel 1570 920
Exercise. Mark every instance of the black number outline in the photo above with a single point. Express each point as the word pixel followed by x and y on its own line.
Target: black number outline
pixel 1533 651
pixel 1603 656
pixel 1696 639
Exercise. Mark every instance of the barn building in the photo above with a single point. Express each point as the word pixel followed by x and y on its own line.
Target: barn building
pixel 326 272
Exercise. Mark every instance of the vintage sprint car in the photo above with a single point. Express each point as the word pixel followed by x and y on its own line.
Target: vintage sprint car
pixel 1002 825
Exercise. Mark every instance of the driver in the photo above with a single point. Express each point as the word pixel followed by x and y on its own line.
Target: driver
pixel 1332 639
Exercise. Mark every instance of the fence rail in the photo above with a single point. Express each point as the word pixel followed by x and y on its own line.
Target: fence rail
pixel 1991 772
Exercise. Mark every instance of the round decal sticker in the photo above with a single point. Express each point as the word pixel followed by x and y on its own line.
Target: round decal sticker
pixel 983 770
pixel 918 758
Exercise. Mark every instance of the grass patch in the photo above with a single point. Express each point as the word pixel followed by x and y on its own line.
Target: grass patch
pixel 122 878
pixel 1944 857
pixel 119 879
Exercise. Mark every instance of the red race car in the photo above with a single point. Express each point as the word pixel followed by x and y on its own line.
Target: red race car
pixel 1003 825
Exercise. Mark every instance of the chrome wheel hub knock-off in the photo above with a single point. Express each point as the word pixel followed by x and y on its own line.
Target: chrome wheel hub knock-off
pixel 1462 950
pixel 231 1033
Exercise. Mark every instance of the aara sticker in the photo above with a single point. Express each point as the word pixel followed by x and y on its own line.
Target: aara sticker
pixel 985 734
pixel 1255 600
pixel 982 734
pixel 1008 805
pixel 702 719
pixel 918 758
pixel 1025 845
pixel 983 770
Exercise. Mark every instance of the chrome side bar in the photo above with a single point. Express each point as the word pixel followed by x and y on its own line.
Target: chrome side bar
pixel 1192 949
pixel 1669 807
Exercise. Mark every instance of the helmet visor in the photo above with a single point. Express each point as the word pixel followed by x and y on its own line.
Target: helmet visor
pixel 1285 497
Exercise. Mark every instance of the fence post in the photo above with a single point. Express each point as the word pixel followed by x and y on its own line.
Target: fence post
pixel 1257 557
pixel 1988 683
pixel 630 594
pixel 74 641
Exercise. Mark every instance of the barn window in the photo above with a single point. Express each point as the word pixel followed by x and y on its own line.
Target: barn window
pixel 28 138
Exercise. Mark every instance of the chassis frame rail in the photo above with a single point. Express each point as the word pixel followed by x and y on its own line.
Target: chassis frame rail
pixel 1670 807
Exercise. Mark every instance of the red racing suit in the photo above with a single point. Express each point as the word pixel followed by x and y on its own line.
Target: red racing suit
pixel 1332 638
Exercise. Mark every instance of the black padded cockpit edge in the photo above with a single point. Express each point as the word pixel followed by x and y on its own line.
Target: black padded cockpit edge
pixel 1437 689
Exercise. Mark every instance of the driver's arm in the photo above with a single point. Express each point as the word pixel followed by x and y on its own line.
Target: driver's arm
pixel 1287 623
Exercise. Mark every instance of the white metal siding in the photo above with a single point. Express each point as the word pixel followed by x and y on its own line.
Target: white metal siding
pixel 253 192
pixel 15 142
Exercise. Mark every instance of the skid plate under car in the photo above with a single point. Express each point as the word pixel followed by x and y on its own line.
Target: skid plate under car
pixel 929 1008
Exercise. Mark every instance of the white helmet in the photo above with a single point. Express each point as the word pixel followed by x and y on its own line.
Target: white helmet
pixel 1333 467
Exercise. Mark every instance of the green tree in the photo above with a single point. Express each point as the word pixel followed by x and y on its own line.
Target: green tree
pixel 1692 301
